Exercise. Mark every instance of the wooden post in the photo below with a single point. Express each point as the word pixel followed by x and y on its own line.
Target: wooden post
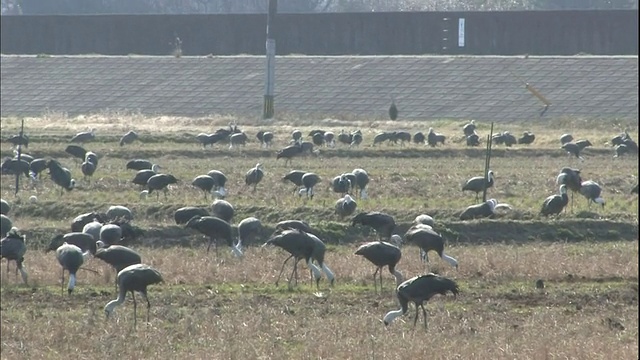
pixel 19 157
pixel 487 163
pixel 268 109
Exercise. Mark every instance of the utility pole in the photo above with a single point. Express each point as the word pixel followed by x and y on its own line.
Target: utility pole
pixel 270 79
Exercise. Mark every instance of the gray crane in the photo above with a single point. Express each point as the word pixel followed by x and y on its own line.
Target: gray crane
pixel 554 204
pixel 592 191
pixel 361 182
pixel 341 184
pixel 382 254
pixel 4 207
pixel 309 180
pixel 36 167
pixel 128 138
pixel 265 138
pixel 139 164
pixel 84 241
pixel 13 247
pixel 296 225
pixel 419 138
pixel 205 183
pixel 159 182
pixel 418 290
pixel 428 239
pixel 473 140
pixel 70 258
pixel 575 148
pixel 119 212
pixel 571 178
pixel 300 246
pixel 289 152
pixel 110 234
pixel 184 214
pixel 249 229
pixel 61 176
pixel 220 181
pixel 222 209
pixel 76 151
pixel 486 209
pixel 527 138
pixel 345 206
pixel 93 228
pixel 84 136
pixel 382 223
pixel 237 139
pixel 88 169
pixel 433 138
pixel 17 140
pixel 469 129
pixel 134 278
pixel 254 176
pixel 295 176
pixel 117 256
pixel 566 138
pixel 477 184
pixel 214 228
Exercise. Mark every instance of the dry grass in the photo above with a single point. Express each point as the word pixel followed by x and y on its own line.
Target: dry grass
pixel 231 309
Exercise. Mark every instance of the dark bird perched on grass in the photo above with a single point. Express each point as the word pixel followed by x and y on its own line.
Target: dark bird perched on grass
pixel 341 184
pixel 571 178
pixel 428 240
pixel 118 257
pixel 84 241
pixel 473 140
pixel 527 138
pixel 214 228
pixel 222 209
pixel 128 138
pixel 300 246
pixel 159 182
pixel 469 129
pixel 88 169
pixel 84 136
pixel 76 151
pixel 345 206
pixel 419 138
pixel 139 164
pixel 70 258
pixel 296 225
pixel 554 204
pixel 434 138
pixel 15 166
pixel 592 191
pixel 249 230
pixel 566 138
pixel 382 223
pixel 309 180
pixel 295 176
pixel 265 138
pixel 356 138
pixel 289 152
pixel 13 247
pixel 184 214
pixel 16 140
pixel 478 183
pixel 4 207
pixel 36 167
pixel 237 139
pixel 220 181
pixel 254 176
pixel 486 209
pixel 393 110
pixel 61 176
pixel 361 181
pixel 131 279
pixel 205 183
pixel 142 176
pixel 418 290
pixel 575 148
pixel 382 254
pixel 5 225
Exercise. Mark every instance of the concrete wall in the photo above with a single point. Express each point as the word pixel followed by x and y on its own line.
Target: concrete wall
pixel 612 32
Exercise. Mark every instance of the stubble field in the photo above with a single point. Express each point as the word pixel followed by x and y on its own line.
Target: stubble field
pixel 228 308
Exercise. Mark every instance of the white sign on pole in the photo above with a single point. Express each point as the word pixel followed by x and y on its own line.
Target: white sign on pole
pixel 461 32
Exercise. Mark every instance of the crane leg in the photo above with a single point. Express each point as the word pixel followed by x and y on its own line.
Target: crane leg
pixel 146 297
pixel 295 268
pixel 424 315
pixel 135 306
pixel 282 270
pixel 415 319
pixel 62 284
pixel 375 282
